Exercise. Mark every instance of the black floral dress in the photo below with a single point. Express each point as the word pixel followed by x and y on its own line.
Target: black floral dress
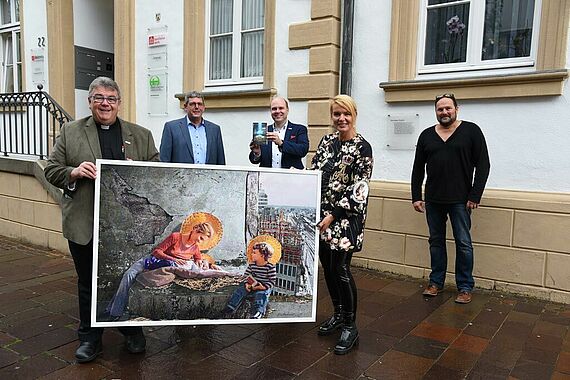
pixel 346 170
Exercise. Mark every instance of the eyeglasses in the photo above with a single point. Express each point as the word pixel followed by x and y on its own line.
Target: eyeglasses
pixel 100 99
pixel 447 95
pixel 195 104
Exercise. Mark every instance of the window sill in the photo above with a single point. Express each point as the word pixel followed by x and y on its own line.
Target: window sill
pixel 235 99
pixel 540 83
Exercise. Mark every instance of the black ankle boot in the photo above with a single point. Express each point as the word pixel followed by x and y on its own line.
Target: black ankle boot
pixel 348 336
pixel 331 325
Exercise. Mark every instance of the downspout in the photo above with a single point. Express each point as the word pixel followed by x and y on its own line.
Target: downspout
pixel 346 49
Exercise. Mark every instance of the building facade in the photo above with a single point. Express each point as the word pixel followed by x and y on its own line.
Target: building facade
pixel 506 61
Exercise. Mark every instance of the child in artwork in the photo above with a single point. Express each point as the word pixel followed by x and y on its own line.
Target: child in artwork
pixel 180 249
pixel 263 252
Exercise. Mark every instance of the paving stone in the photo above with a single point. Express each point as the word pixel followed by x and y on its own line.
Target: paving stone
pixel 39 326
pixel 263 371
pixel 294 358
pixel 548 328
pixel 313 373
pixel 436 332
pixel 8 357
pixel 438 372
pixel 559 376
pixel 44 342
pixel 460 361
pixel 531 370
pixel 563 363
pixel 32 368
pixel 396 365
pixel 348 366
pixel 530 307
pixel 403 335
pixel 469 343
pixel 500 357
pixel 79 371
pixel 427 348
pixel 247 352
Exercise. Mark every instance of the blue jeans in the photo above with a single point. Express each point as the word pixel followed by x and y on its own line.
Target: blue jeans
pixel 460 216
pixel 119 302
pixel 260 299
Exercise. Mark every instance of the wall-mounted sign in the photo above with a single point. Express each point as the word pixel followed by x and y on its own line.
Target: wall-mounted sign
pixel 157 83
pixel 38 66
pixel 401 131
pixel 157 39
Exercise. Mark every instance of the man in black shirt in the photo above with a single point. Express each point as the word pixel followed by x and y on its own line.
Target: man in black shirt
pixel 450 151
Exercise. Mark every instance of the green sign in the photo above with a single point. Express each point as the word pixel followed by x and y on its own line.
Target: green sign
pixel 154 81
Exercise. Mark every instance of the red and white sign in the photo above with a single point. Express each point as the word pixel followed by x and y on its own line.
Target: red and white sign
pixel 157 39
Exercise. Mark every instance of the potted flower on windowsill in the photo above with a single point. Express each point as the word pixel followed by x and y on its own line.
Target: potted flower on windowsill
pixel 455 28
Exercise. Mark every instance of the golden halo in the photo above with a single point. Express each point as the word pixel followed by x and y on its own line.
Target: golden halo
pixel 269 240
pixel 202 217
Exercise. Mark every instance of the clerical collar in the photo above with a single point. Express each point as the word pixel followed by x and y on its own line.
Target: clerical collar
pixel 107 127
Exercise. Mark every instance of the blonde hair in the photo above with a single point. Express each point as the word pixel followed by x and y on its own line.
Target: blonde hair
pixel 347 103
pixel 204 228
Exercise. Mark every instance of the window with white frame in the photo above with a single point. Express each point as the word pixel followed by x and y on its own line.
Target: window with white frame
pixel 461 35
pixel 235 41
pixel 10 40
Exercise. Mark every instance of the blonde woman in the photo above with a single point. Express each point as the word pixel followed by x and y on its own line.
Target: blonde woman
pixel 345 159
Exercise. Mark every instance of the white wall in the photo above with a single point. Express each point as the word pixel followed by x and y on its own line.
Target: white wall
pixel 235 124
pixel 35 27
pixel 93 29
pixel 528 138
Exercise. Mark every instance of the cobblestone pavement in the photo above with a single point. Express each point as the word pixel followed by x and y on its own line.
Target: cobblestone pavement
pixel 402 335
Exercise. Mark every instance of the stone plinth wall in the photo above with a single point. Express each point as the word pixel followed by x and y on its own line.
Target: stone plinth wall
pixel 520 240
pixel 28 211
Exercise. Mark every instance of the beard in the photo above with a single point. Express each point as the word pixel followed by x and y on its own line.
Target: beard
pixel 446 121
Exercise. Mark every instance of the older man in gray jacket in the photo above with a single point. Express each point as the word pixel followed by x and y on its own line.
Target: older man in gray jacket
pixel 71 166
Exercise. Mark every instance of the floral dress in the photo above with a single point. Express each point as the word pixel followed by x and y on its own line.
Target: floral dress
pixel 346 170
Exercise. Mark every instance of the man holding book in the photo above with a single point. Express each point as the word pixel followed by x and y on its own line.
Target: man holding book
pixel 287 142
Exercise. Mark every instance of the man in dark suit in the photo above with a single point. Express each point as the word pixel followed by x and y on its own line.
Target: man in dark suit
pixel 192 139
pixel 71 167
pixel 287 142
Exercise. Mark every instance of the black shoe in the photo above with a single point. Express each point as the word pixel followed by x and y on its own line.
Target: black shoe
pixel 136 343
pixel 88 351
pixel 348 339
pixel 331 325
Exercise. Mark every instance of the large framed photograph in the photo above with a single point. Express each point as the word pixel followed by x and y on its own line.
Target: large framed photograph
pixel 182 244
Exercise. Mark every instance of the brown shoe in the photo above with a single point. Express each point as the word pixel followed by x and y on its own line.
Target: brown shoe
pixel 431 291
pixel 463 297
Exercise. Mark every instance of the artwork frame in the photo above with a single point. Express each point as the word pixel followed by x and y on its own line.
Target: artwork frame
pixel 147 213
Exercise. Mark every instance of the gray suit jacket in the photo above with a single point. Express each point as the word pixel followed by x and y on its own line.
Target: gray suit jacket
pixel 78 141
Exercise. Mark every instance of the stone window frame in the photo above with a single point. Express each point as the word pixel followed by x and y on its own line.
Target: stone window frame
pixel 194 62
pixel 547 79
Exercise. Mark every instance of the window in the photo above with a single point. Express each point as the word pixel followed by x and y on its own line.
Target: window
pixel 235 41
pixel 10 40
pixel 478 34
pixel 407 79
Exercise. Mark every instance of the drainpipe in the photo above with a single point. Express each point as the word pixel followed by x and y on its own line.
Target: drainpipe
pixel 346 49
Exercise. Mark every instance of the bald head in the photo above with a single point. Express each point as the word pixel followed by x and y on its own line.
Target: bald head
pixel 279 111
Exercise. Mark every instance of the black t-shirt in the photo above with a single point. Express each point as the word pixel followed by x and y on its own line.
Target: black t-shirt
pixel 111 141
pixel 450 165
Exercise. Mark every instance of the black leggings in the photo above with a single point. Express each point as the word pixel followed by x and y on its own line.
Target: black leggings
pixel 341 285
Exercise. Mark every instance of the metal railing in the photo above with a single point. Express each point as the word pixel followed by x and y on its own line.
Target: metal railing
pixel 29 123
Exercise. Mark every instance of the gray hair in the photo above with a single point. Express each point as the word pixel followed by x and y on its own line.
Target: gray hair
pixel 193 94
pixel 105 82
